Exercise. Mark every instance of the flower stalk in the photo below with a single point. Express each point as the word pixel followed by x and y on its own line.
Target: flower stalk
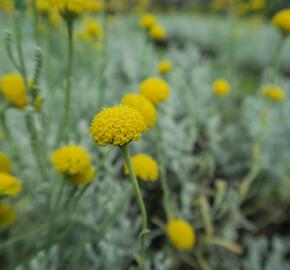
pixel 141 257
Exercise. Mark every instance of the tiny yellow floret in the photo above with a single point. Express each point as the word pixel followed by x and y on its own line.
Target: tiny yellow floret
pixel 144 106
pixel 5 163
pixel 157 32
pixel 13 88
pixel 164 67
pixel 282 20
pixel 155 89
pixel 7 215
pixel 117 125
pixel 181 234
pixel 274 93
pixel 145 167
pixel 9 185
pixel 221 87
pixel 147 20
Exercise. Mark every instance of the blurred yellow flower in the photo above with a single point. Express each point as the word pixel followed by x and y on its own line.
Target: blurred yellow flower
pixel 157 32
pixel 70 8
pixel 117 125
pixel 43 6
pixel 7 215
pixel 92 31
pixel 73 161
pixel 258 4
pixel 155 89
pixel 9 185
pixel 144 106
pixel 5 163
pixel 145 167
pixel 181 234
pixel 221 87
pixel 147 20
pixel 282 20
pixel 165 67
pixel 274 93
pixel 7 5
pixel 95 5
pixel 13 88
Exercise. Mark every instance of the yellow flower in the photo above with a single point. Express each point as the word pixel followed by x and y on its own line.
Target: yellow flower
pixel 54 17
pixel 7 215
pixel 145 167
pixel 95 6
pixel 221 87
pixel 13 88
pixel 282 20
pixel 117 125
pixel 155 89
pixel 147 20
pixel 74 162
pixel 70 7
pixel 157 32
pixel 274 93
pixel 6 5
pixel 43 6
pixel 83 178
pixel 5 163
pixel 257 4
pixel 9 185
pixel 181 234
pixel 92 30
pixel 144 106
pixel 164 67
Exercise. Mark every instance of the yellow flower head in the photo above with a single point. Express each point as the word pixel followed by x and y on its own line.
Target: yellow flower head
pixel 6 5
pixel 13 88
pixel 258 4
pixel 144 106
pixel 95 6
pixel 157 32
pixel 7 215
pixel 117 125
pixel 155 89
pixel 274 93
pixel 5 163
pixel 221 87
pixel 180 233
pixel 147 20
pixel 164 67
pixel 9 185
pixel 70 7
pixel 145 167
pixel 74 162
pixel 282 20
pixel 92 30
pixel 43 6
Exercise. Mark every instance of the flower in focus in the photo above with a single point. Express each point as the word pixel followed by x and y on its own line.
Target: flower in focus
pixel 74 162
pixel 117 125
pixel 144 106
pixel 7 215
pixel 282 20
pixel 9 185
pixel 147 21
pixel 157 32
pixel 92 31
pixel 180 233
pixel 221 87
pixel 274 93
pixel 145 167
pixel 155 89
pixel 5 163
pixel 164 67
pixel 13 88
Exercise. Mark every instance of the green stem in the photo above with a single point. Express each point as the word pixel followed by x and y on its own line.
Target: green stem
pixel 277 59
pixel 163 175
pixel 138 194
pixel 67 101
pixel 35 19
